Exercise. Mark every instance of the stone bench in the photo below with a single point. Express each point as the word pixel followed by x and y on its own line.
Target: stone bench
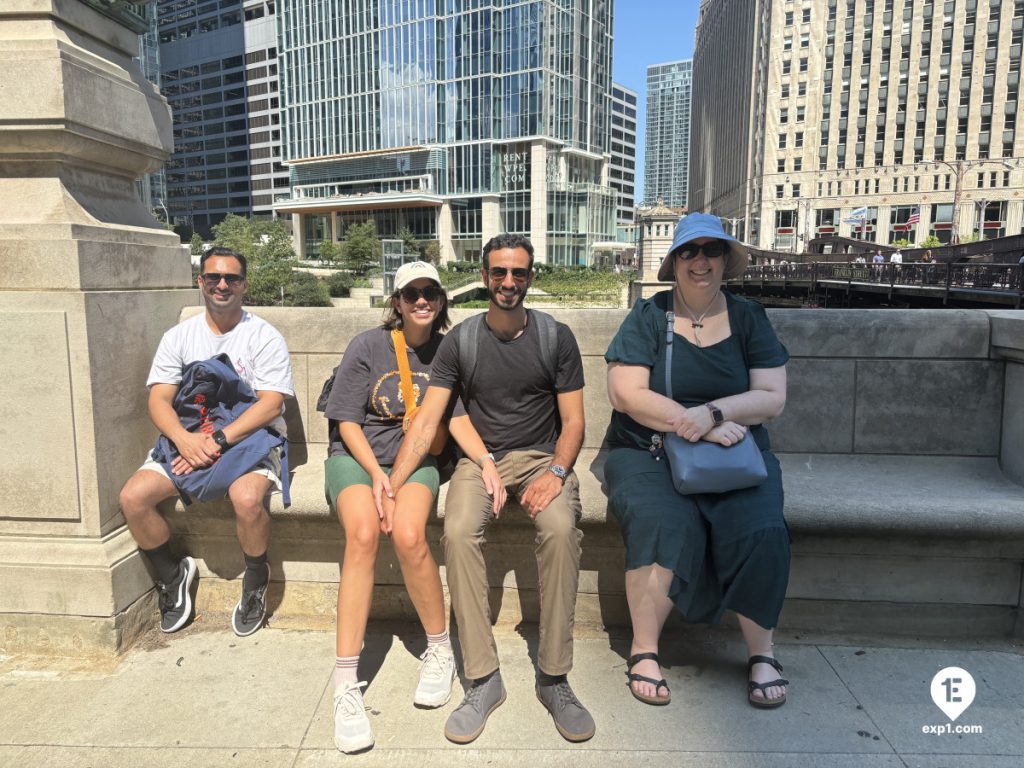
pixel 902 456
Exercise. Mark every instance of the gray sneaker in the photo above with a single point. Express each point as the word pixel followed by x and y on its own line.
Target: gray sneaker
pixel 571 718
pixel 251 610
pixel 176 598
pixel 469 718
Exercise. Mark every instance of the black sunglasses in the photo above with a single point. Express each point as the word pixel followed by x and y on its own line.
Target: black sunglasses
pixel 713 250
pixel 519 274
pixel 212 279
pixel 411 295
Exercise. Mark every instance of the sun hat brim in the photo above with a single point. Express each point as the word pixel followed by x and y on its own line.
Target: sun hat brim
pixel 696 225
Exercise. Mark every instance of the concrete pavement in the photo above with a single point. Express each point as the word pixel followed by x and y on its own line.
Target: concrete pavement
pixel 206 698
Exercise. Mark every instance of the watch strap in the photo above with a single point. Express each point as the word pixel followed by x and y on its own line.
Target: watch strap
pixel 716 413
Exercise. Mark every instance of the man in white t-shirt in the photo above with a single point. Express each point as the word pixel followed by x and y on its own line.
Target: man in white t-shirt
pixel 261 359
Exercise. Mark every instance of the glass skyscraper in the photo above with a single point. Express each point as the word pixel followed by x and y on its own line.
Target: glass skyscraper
pixel 219 73
pixel 456 119
pixel 667 158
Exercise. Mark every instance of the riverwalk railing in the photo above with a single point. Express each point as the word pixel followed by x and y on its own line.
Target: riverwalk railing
pixel 998 281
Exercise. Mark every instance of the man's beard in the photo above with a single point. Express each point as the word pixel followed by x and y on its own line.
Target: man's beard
pixel 520 294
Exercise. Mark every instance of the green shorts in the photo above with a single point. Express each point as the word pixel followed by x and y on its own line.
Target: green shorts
pixel 340 472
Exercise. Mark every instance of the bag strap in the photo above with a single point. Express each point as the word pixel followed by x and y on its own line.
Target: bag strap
pixel 670 319
pixel 547 333
pixel 469 334
pixel 405 379
pixel 469 342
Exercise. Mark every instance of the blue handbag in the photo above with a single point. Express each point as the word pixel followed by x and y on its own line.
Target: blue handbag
pixel 705 467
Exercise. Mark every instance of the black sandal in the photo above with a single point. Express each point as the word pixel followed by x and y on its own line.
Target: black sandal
pixel 763 702
pixel 657 701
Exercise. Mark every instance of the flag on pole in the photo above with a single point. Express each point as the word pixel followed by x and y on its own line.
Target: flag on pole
pixel 915 217
pixel 857 216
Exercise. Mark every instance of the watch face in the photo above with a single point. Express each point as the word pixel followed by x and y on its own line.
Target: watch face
pixel 557 470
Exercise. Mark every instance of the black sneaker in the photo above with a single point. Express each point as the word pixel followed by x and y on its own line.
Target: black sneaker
pixel 176 597
pixel 571 718
pixel 251 609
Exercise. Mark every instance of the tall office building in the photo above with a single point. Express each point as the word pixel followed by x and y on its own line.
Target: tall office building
pixel 667 143
pixel 219 73
pixel 882 120
pixel 622 172
pixel 456 120
pixel 152 187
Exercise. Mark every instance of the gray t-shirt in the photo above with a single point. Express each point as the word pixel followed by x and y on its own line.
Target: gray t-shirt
pixel 512 399
pixel 367 390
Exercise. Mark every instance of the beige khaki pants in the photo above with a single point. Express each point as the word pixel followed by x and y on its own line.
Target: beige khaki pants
pixel 557 545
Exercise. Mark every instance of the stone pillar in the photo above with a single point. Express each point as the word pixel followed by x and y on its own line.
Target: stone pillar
pixel 444 232
pixel 539 200
pixel 490 218
pixel 89 284
pixel 299 234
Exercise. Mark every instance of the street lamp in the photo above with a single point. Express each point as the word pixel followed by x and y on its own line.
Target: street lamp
pixel 160 202
pixel 960 168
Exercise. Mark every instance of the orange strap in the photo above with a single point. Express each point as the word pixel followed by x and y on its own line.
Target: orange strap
pixel 405 379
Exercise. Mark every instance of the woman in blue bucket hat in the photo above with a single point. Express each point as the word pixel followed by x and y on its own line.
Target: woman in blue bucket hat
pixel 709 552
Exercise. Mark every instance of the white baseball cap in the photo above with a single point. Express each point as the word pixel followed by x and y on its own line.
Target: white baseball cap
pixel 414 270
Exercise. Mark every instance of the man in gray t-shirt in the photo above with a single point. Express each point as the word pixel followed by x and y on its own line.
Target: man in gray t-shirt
pixel 529 413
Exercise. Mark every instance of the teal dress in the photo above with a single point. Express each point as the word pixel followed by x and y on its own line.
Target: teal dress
pixel 726 550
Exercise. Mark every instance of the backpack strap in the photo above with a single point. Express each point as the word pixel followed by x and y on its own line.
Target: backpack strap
pixel 469 331
pixel 469 339
pixel 547 332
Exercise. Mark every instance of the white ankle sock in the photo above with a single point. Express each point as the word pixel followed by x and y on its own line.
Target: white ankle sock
pixel 441 639
pixel 346 670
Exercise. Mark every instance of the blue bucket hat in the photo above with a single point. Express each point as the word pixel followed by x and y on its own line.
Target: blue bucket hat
pixel 695 225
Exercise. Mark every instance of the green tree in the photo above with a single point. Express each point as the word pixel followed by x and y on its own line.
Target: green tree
pixel 361 249
pixel 340 284
pixel 267 247
pixel 329 251
pixel 196 244
pixel 304 290
pixel 902 243
pixel 930 242
pixel 409 242
pixel 430 250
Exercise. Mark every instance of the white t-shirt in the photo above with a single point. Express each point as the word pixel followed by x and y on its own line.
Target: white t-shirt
pixel 255 347
pixel 896 258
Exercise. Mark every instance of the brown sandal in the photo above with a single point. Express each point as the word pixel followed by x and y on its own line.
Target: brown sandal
pixel 763 702
pixel 657 701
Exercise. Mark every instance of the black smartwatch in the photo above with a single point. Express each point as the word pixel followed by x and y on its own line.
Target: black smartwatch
pixel 220 439
pixel 716 413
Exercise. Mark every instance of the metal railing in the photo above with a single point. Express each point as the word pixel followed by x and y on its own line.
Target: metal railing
pixel 979 277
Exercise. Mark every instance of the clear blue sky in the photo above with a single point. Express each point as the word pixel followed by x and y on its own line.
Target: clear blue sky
pixel 649 32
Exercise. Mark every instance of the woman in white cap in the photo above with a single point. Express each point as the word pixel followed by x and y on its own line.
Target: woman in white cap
pixel 709 552
pixel 366 409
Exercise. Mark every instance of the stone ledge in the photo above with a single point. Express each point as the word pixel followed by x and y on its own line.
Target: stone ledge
pixel 961 499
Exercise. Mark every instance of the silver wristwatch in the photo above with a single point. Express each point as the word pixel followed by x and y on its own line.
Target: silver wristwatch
pixel 558 471
pixel 484 458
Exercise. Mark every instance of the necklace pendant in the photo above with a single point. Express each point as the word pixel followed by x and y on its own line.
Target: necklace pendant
pixel 696 325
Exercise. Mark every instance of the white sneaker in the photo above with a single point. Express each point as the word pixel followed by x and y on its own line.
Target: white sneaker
pixel 437 673
pixel 351 725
